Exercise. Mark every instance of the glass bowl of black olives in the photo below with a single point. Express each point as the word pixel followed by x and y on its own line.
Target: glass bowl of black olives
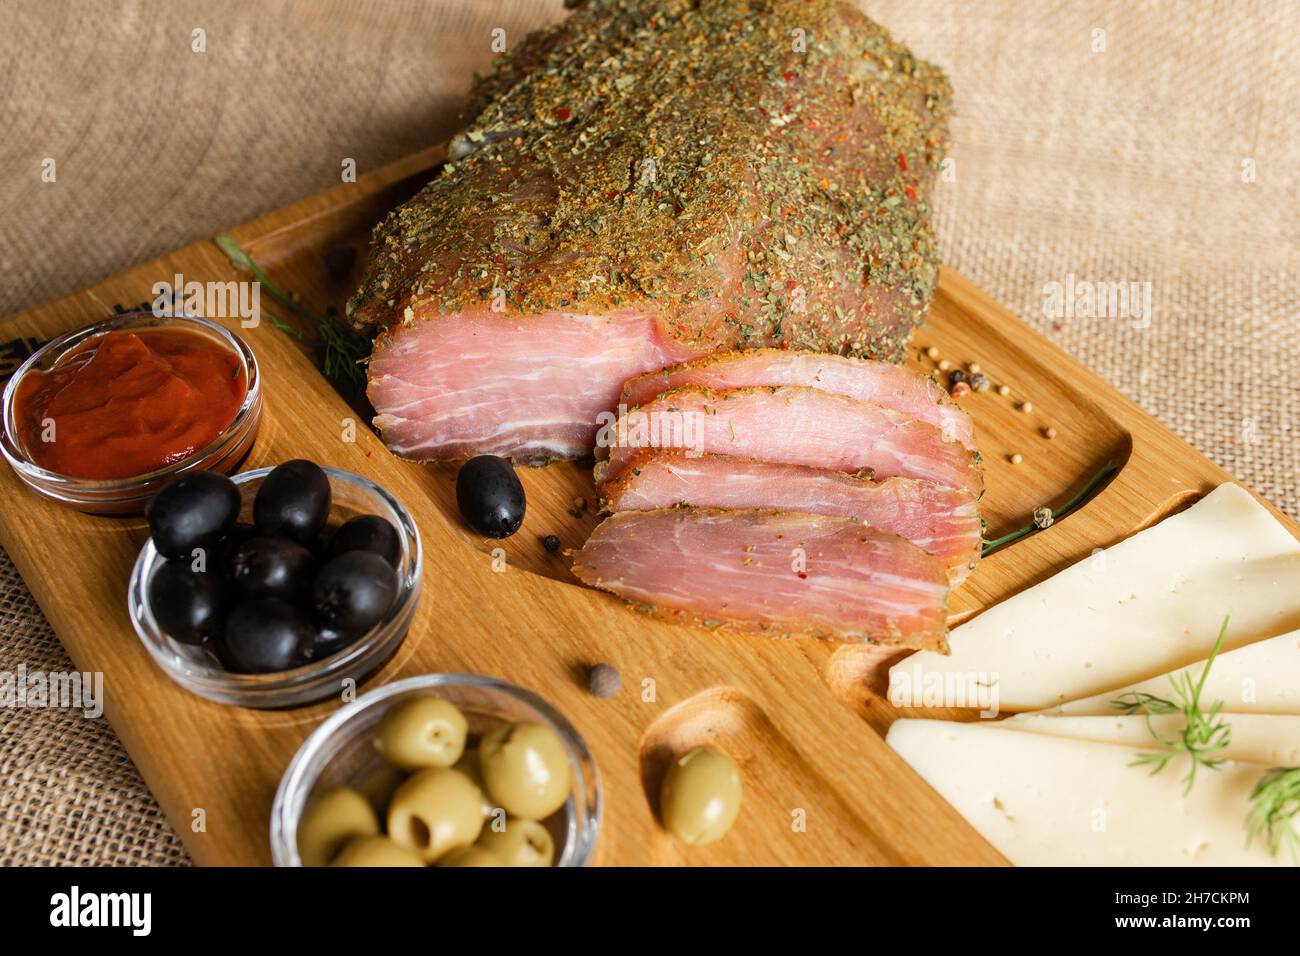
pixel 440 770
pixel 272 588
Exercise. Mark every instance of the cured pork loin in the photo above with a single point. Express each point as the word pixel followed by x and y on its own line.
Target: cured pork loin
pixel 774 571
pixel 944 522
pixel 646 182
pixel 790 424
pixel 878 382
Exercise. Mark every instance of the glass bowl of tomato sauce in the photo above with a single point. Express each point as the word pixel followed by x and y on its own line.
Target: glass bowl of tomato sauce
pixel 100 418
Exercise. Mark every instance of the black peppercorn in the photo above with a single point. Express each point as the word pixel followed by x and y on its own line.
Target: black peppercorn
pixel 551 543
pixel 604 680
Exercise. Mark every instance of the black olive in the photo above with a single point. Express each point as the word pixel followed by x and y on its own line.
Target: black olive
pixel 261 637
pixel 293 502
pixel 490 497
pixel 367 533
pixel 353 592
pixel 329 642
pixel 192 511
pixel 271 567
pixel 224 550
pixel 189 605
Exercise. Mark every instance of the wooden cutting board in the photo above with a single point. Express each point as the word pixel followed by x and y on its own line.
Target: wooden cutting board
pixel 803 718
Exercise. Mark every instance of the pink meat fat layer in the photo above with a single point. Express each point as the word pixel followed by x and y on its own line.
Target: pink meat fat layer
pixel 879 382
pixel 770 570
pixel 942 521
pixel 525 387
pixel 791 425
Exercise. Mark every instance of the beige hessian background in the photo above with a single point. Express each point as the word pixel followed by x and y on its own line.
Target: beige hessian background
pixel 1110 141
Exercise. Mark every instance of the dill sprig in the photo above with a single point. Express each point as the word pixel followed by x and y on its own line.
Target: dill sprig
pixel 1275 802
pixel 343 349
pixel 1045 517
pixel 1204 733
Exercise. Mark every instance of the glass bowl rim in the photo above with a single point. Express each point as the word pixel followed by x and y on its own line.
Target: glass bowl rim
pixel 580 851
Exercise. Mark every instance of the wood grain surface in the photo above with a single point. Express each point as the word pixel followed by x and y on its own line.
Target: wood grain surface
pixel 801 717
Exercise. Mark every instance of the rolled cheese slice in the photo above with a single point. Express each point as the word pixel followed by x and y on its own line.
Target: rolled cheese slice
pixel 1260 678
pixel 1052 801
pixel 1266 739
pixel 1146 606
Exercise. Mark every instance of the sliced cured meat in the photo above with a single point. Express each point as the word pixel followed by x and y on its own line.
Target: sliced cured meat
pixel 870 381
pixel 790 424
pixel 942 521
pixel 776 571
pixel 486 383
pixel 627 161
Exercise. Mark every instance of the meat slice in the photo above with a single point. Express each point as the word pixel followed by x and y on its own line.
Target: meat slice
pixel 775 571
pixel 628 165
pixel 942 521
pixel 452 388
pixel 889 385
pixel 789 424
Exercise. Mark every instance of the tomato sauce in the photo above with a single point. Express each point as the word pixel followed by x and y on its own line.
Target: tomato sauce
pixel 127 403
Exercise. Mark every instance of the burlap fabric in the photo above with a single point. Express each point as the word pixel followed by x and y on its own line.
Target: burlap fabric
pixel 1106 141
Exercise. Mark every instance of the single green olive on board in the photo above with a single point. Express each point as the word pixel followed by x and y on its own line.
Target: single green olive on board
pixel 375 851
pixel 520 843
pixel 331 819
pixel 526 770
pixel 422 732
pixel 470 856
pixel 700 796
pixel 434 812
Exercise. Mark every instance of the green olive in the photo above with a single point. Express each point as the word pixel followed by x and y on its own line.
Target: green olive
pixel 470 856
pixel 436 811
pixel 526 770
pixel 521 843
pixel 423 732
pixel 329 820
pixel 375 851
pixel 700 796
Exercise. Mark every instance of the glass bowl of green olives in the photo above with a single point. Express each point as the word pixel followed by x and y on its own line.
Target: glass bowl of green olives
pixel 204 629
pixel 440 769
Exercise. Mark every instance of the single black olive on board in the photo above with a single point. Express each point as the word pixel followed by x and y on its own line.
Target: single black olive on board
pixel 265 636
pixel 367 533
pixel 189 605
pixel 271 567
pixel 353 592
pixel 293 502
pixel 490 497
pixel 192 511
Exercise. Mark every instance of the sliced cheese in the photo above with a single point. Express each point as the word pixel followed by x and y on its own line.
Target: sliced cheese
pixel 1266 739
pixel 1145 606
pixel 1260 678
pixel 1052 801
